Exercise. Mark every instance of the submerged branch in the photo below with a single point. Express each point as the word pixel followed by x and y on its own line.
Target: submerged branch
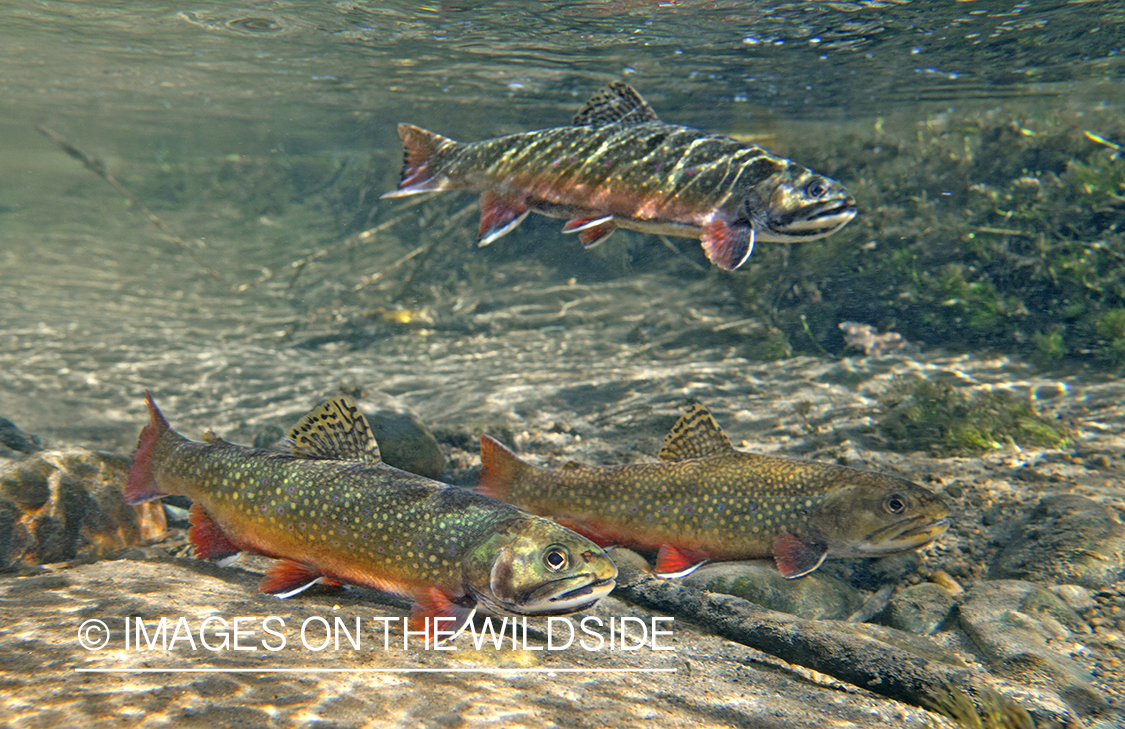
pixel 824 646
pixel 96 166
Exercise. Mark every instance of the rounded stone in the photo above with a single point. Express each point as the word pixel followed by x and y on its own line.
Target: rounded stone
pixel 1065 539
pixel 814 596
pixel 919 609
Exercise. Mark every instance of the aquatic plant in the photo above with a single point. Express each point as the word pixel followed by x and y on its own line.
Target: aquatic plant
pixel 992 230
pixel 923 414
pixel 990 710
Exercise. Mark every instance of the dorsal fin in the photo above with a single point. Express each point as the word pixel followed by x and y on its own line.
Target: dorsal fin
pixel 617 103
pixel 695 435
pixel 335 430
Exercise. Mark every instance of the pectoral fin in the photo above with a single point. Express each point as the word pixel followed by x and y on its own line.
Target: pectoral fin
pixel 727 245
pixel 797 558
pixel 674 562
pixel 436 603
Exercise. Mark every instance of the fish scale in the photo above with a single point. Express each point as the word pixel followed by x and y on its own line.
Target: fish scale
pixel 331 511
pixel 619 166
pixel 706 501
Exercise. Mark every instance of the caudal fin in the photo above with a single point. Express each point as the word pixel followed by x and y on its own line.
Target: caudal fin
pixel 499 468
pixel 419 154
pixel 141 486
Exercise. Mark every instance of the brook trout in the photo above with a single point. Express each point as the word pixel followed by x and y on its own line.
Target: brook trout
pixel 331 511
pixel 619 166
pixel 706 501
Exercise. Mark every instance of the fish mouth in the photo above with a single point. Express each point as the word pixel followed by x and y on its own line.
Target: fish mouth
pixel 560 597
pixel 908 534
pixel 814 221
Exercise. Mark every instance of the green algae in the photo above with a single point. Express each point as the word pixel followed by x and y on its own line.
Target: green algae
pixel 992 230
pixel 923 414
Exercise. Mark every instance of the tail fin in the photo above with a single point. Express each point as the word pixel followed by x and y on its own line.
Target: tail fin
pixel 419 173
pixel 499 468
pixel 141 486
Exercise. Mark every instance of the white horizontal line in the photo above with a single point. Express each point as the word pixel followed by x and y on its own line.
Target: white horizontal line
pixel 375 670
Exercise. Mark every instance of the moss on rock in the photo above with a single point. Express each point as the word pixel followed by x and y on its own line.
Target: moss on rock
pixel 930 415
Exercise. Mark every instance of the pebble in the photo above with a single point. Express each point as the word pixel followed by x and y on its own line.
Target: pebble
pixel 920 609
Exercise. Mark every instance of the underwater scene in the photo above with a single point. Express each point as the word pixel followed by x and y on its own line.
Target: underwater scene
pixel 602 363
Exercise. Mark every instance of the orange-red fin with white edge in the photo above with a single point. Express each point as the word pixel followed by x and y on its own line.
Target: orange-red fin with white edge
pixel 499 216
pixel 796 557
pixel 286 578
pixel 499 468
pixel 207 540
pixel 577 225
pixel 420 148
pixel 727 246
pixel 595 234
pixel 436 609
pixel 141 486
pixel 674 562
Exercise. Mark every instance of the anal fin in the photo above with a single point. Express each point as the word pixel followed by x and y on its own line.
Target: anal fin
pixel 727 246
pixel 436 603
pixel 672 562
pixel 796 557
pixel 498 216
pixel 286 578
pixel 207 540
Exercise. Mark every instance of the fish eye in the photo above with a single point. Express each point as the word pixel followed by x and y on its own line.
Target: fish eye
pixel 816 188
pixel 556 559
pixel 895 504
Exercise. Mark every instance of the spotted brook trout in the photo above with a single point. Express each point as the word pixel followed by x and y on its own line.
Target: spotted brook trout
pixel 706 501
pixel 619 166
pixel 331 511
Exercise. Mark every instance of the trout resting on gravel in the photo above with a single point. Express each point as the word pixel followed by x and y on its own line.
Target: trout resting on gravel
pixel 331 511
pixel 706 501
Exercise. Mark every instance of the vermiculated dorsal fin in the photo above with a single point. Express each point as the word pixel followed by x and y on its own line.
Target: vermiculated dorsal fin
pixel 336 430
pixel 617 103
pixel 695 435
